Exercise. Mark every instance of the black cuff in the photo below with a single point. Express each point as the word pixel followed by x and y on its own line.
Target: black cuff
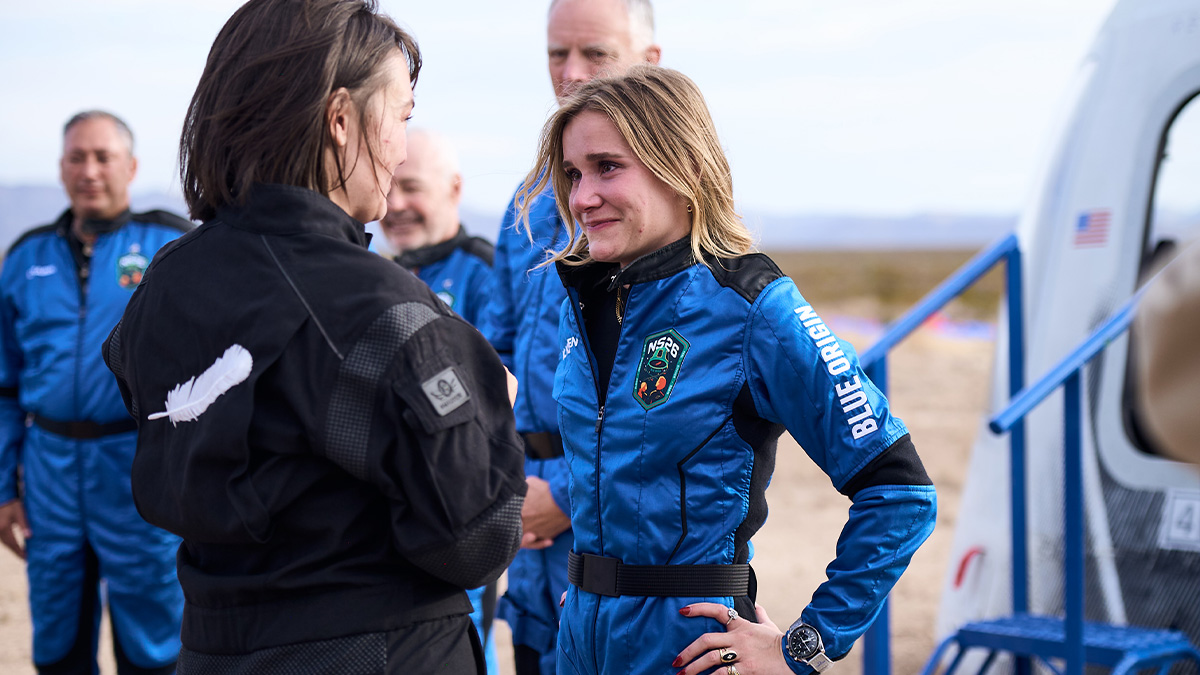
pixel 899 464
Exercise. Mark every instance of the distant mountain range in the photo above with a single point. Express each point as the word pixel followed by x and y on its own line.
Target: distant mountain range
pixel 24 206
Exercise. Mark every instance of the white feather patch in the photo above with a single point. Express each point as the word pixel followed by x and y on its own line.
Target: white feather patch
pixel 188 400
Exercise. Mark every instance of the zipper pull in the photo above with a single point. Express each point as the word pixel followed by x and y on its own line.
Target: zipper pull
pixel 599 418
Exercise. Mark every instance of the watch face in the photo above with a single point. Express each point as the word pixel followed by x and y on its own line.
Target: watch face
pixel 803 642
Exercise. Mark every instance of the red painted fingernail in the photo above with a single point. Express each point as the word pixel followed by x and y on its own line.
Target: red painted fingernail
pixel 677 662
pixel 679 673
pixel 685 611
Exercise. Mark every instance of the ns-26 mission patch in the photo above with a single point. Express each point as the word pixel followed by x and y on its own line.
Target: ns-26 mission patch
pixel 658 369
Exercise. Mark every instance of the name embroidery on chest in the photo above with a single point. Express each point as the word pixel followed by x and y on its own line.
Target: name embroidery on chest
pixel 658 369
pixel 36 271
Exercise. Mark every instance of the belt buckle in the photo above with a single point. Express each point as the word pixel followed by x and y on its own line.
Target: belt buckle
pixel 600 574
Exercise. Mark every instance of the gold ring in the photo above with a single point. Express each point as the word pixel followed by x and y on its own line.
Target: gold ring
pixel 727 655
pixel 732 670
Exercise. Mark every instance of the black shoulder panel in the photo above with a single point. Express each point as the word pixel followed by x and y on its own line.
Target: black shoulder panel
pixel 165 218
pixel 480 248
pixel 29 234
pixel 747 274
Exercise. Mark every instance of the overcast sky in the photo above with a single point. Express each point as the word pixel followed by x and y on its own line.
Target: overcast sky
pixel 865 106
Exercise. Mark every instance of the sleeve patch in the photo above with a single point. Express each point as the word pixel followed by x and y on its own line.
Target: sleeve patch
pixel 445 391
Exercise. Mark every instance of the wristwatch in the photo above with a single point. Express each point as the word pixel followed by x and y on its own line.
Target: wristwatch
pixel 803 644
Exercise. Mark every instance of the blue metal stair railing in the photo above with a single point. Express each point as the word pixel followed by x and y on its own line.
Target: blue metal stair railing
pixel 1125 649
pixel 877 641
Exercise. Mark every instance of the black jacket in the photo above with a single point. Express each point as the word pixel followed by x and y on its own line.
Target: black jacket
pixel 367 469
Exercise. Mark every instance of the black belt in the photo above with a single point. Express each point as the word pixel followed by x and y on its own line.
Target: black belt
pixel 543 445
pixel 609 576
pixel 84 430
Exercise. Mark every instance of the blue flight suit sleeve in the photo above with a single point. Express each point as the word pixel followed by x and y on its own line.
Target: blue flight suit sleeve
pixel 802 376
pixel 556 474
pixel 498 321
pixel 12 417
pixel 479 288
pixel 556 471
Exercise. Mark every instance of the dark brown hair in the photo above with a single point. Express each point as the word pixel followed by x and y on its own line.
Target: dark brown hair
pixel 259 111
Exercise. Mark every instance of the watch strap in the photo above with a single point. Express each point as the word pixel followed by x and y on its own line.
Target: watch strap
pixel 820 662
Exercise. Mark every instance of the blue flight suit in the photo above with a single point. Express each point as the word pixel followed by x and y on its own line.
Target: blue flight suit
pixel 670 467
pixel 63 421
pixel 459 270
pixel 521 322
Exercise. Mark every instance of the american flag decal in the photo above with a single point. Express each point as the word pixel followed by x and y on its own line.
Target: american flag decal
pixel 1091 229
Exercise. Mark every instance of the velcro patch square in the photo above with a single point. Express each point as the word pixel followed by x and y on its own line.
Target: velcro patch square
pixel 445 391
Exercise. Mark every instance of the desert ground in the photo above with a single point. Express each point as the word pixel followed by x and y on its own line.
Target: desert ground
pixel 938 384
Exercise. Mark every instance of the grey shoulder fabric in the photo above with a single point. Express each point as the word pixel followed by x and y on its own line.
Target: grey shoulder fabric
pixel 112 358
pixel 351 405
pixel 482 552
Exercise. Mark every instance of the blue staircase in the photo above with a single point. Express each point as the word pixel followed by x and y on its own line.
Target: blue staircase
pixel 1063 644
pixel 1124 649
pixel 876 642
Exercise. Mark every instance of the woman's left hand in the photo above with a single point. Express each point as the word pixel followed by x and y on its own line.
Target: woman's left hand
pixel 745 648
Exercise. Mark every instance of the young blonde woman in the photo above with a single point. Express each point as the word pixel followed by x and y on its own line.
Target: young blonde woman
pixel 684 356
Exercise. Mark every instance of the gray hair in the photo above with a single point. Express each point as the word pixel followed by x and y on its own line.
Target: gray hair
pixel 122 128
pixel 641 21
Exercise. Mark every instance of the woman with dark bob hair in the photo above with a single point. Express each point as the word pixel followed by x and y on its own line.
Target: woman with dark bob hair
pixel 334 445
pixel 684 357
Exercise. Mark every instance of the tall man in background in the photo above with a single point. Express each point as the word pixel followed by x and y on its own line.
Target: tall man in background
pixel 62 289
pixel 422 225
pixel 584 39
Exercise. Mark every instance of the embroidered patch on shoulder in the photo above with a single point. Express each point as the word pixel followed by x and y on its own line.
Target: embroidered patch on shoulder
pixel 658 369
pixel 131 267
pixel 445 391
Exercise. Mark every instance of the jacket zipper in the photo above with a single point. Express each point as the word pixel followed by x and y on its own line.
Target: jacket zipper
pixel 83 272
pixel 577 308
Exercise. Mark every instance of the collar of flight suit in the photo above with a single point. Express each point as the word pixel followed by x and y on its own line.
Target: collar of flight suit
pixel 287 209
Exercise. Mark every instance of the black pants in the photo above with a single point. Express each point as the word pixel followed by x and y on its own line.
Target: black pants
pixel 81 657
pixel 448 646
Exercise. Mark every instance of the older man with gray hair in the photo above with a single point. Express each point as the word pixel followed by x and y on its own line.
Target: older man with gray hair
pixel 584 39
pixel 63 287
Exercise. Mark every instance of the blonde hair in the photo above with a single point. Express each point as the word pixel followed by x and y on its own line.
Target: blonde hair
pixel 661 114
